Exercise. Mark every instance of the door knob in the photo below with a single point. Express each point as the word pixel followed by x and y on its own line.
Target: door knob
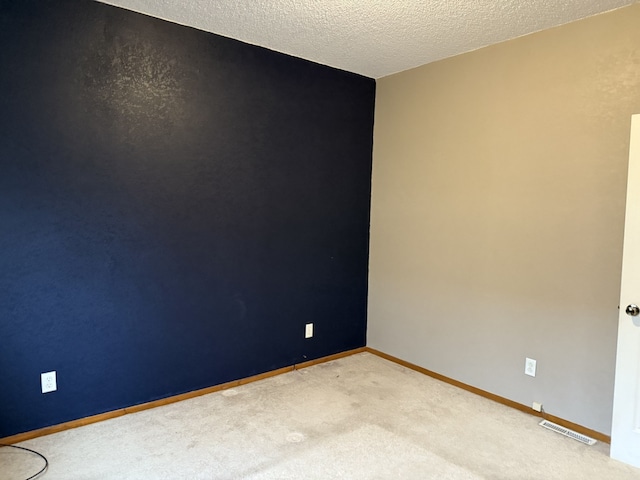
pixel 632 310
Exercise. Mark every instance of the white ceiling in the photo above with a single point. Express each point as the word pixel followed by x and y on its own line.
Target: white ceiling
pixel 374 38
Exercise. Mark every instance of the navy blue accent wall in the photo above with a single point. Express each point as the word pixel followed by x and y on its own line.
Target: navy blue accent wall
pixel 174 207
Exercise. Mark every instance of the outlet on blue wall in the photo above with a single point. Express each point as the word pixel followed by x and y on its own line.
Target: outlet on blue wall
pixel 174 208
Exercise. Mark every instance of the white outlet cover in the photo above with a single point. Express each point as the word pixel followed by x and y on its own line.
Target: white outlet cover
pixel 308 330
pixel 48 382
pixel 530 367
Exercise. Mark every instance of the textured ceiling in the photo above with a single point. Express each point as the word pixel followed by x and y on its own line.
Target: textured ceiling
pixel 374 38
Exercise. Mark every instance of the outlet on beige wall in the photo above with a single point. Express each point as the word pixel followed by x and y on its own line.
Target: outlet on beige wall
pixel 497 217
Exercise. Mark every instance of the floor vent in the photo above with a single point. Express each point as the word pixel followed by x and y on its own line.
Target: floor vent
pixel 566 432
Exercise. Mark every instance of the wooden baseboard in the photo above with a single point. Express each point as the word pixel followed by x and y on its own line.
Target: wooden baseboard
pixel 21 437
pixel 496 398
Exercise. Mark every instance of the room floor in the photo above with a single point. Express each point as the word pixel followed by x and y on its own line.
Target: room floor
pixel 360 417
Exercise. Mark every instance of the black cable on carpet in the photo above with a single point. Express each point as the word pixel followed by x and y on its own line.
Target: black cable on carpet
pixel 46 462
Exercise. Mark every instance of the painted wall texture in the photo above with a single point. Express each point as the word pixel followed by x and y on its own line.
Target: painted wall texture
pixel 499 181
pixel 174 207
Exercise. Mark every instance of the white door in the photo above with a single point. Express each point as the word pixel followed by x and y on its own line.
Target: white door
pixel 625 432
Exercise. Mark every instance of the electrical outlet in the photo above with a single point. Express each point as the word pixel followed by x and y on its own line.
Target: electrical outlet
pixel 537 406
pixel 308 330
pixel 48 382
pixel 530 367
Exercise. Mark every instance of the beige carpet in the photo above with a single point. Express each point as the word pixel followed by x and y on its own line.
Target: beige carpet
pixel 360 417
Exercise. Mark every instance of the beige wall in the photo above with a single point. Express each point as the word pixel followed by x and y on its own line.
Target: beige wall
pixel 499 183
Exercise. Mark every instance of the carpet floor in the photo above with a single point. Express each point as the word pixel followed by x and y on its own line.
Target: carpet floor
pixel 359 417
